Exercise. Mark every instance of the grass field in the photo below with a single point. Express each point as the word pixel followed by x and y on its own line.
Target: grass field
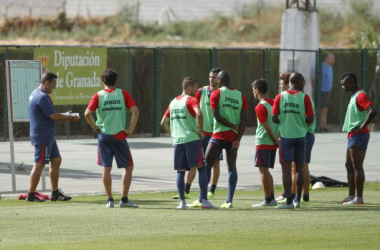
pixel 84 223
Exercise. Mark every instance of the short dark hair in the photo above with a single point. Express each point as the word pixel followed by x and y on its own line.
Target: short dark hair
pixel 188 81
pixel 285 77
pixel 48 76
pixel 296 78
pixel 215 70
pixel 349 76
pixel 109 77
pixel 261 85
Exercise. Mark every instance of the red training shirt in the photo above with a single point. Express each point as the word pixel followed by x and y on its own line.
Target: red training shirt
pixel 262 116
pixel 362 103
pixel 191 104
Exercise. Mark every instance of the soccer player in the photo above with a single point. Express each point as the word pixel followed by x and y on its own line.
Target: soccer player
pixel 43 115
pixel 289 110
pixel 229 110
pixel 203 96
pixel 111 106
pixel 360 113
pixel 183 120
pixel 266 141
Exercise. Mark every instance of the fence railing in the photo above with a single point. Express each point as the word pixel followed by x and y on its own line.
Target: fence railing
pixel 153 77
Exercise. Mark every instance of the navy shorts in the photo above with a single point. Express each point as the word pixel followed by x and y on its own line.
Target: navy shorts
pixel 110 147
pixel 265 158
pixel 43 153
pixel 205 142
pixel 310 139
pixel 358 141
pixel 188 155
pixel 220 144
pixel 292 150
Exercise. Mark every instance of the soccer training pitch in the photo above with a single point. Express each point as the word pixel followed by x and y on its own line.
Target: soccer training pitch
pixel 85 223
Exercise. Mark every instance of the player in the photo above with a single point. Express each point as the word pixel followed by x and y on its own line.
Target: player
pixel 266 141
pixel 111 106
pixel 180 121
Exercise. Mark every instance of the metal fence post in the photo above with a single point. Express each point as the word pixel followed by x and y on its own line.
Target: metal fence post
pixel 266 70
pixel 364 71
pixel 186 63
pixel 5 105
pixel 157 92
pixel 318 88
pixel 241 67
pixel 341 100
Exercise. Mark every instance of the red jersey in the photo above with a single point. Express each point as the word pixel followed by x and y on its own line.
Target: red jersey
pixel 262 116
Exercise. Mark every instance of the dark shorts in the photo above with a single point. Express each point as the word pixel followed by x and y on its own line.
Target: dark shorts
pixel 265 158
pixel 43 153
pixel 310 139
pixel 292 150
pixel 215 143
pixel 325 100
pixel 110 147
pixel 188 155
pixel 205 142
pixel 358 141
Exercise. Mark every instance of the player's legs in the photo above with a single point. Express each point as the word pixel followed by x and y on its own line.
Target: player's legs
pixel 35 175
pixel 266 181
pixel 54 172
pixel 357 157
pixel 294 180
pixel 126 181
pixel 107 181
pixel 189 179
pixel 215 176
pixel 324 112
pixel 299 159
pixel 287 180
pixel 350 175
pixel 286 155
pixel 212 153
pixel 306 175
pixel 231 154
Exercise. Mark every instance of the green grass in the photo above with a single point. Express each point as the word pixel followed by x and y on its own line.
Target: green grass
pixel 85 223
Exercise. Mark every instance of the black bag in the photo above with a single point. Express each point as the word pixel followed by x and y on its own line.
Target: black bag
pixel 328 182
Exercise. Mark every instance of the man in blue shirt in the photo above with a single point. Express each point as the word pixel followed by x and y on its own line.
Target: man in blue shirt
pixel 42 136
pixel 327 79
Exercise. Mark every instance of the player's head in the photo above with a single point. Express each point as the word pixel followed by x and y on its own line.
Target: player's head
pixel 109 77
pixel 190 86
pixel 223 78
pixel 259 86
pixel 212 77
pixel 49 81
pixel 330 59
pixel 297 81
pixel 284 81
pixel 349 81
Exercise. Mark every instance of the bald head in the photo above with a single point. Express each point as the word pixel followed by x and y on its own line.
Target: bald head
pixel 223 78
pixel 297 81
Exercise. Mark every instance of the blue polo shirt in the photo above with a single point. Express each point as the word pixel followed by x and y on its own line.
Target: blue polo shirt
pixel 42 127
pixel 327 77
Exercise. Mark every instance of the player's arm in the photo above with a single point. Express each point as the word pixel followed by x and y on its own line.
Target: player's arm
pixel 309 111
pixel 223 120
pixel 60 117
pixel 198 112
pixel 270 132
pixel 372 112
pixel 165 124
pixel 90 120
pixel 132 123
pixel 276 109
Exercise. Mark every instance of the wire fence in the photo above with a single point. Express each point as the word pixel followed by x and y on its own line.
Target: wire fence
pixel 153 77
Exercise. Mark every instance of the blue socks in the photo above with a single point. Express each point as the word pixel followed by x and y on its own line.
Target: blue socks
pixel 202 173
pixel 181 185
pixel 232 181
pixel 187 187
pixel 212 189
pixel 208 174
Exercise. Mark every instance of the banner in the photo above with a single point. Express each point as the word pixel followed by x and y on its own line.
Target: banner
pixel 78 71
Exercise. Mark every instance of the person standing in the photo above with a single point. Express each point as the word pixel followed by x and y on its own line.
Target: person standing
pixel 43 115
pixel 266 141
pixel 183 120
pixel 289 110
pixel 360 113
pixel 327 80
pixel 229 108
pixel 110 105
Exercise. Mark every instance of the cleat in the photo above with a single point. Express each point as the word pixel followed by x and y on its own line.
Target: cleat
pixel 285 206
pixel 264 204
pixel 226 205
pixel 347 199
pixel 280 198
pixel 296 204
pixel 60 197
pixel 182 204
pixel 110 204
pixel 353 202
pixel 128 204
pixel 283 201
pixel 195 204
pixel 307 203
pixel 34 200
pixel 176 197
pixel 207 205
pixel 210 195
